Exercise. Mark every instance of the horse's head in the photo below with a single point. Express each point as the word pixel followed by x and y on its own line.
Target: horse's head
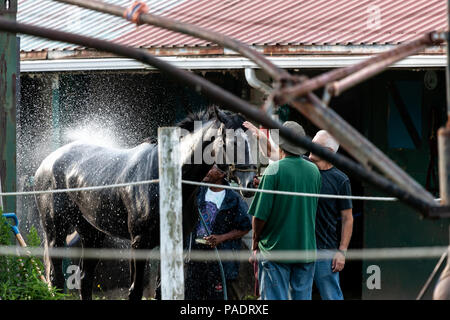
pixel 238 156
pixel 218 137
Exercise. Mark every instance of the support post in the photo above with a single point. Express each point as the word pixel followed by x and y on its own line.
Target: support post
pixel 56 143
pixel 9 75
pixel 444 164
pixel 170 207
pixel 1 197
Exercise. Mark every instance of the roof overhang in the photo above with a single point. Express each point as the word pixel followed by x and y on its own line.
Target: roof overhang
pixel 220 63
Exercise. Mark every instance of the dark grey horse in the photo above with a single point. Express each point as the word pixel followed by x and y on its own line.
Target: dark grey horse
pixel 130 212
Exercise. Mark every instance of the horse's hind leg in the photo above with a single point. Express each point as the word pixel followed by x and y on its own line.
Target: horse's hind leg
pixel 56 218
pixel 137 269
pixel 91 239
pixel 53 265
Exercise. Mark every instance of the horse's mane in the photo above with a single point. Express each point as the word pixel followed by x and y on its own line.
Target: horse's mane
pixel 234 121
pixel 202 115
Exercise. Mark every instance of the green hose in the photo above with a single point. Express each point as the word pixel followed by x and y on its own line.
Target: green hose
pixel 222 272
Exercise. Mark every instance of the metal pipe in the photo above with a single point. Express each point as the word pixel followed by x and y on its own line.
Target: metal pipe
pixel 254 82
pixel 432 275
pixel 1 198
pixel 233 103
pixel 330 121
pixel 447 69
pixel 359 147
pixel 444 164
pixel 373 69
pixel 442 289
pixel 215 37
pixel 334 75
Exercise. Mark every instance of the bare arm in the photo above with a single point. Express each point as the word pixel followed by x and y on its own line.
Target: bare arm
pixel 347 228
pixel 257 226
pixel 216 239
pixel 346 234
pixel 265 146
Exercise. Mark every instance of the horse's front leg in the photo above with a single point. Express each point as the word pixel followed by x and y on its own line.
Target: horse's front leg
pixel 137 269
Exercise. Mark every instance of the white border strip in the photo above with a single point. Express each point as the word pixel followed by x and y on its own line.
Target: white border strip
pixel 220 63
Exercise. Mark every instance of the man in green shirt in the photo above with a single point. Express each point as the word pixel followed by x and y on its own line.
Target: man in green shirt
pixel 282 222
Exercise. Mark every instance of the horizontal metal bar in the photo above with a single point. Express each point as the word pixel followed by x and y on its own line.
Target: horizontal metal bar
pixel 186 28
pixel 357 145
pixel 226 255
pixel 367 72
pixel 329 120
pixel 229 101
pixel 219 63
pixel 307 86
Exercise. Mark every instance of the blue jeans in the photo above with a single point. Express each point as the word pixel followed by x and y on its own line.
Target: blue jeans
pixel 283 281
pixel 327 281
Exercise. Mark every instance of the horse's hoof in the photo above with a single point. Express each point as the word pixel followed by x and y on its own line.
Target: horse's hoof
pixel 133 295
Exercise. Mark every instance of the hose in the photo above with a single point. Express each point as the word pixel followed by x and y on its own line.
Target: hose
pixel 222 272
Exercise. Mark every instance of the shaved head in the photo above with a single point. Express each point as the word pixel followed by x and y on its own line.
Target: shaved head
pixel 326 140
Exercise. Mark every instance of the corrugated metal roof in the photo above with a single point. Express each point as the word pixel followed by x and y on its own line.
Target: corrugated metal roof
pixel 55 15
pixel 255 22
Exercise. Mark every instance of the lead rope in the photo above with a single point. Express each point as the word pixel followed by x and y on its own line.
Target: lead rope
pixel 222 272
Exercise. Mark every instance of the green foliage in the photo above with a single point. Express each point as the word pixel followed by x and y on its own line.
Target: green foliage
pixel 5 232
pixel 19 276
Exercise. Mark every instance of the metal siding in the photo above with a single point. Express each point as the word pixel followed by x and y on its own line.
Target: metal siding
pixel 63 17
pixel 255 22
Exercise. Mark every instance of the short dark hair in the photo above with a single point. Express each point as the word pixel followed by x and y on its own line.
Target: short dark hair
pixel 290 153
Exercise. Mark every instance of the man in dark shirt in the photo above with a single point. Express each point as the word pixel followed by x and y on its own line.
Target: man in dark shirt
pixel 329 211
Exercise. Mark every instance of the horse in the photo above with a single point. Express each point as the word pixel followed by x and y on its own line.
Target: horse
pixel 130 212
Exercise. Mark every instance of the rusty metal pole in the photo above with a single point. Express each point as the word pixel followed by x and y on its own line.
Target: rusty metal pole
pixel 362 150
pixel 235 104
pixel 274 71
pixel 444 163
pixel 356 145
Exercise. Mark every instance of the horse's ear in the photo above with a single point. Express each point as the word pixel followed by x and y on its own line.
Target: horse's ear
pixel 222 116
pixel 215 111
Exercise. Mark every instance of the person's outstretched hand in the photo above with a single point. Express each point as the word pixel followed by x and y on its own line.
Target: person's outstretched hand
pixel 250 126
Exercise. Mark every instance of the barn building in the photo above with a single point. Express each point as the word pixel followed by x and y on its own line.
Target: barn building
pixel 67 90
